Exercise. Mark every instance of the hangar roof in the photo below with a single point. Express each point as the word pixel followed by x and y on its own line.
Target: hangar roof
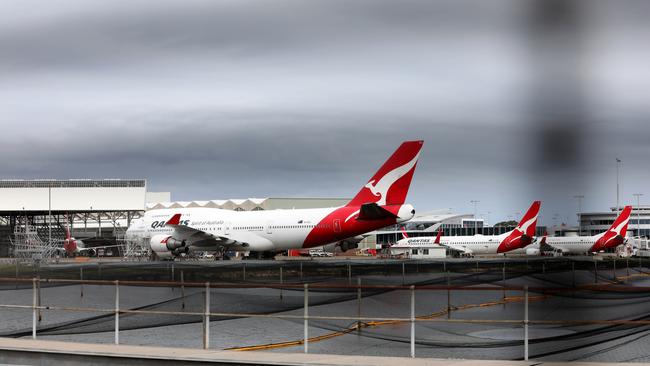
pixel 39 196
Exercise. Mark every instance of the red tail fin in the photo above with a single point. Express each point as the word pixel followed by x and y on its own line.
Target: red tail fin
pixel 528 223
pixel 437 241
pixel 175 220
pixel 390 184
pixel 67 228
pixel 404 234
pixel 523 234
pixel 619 227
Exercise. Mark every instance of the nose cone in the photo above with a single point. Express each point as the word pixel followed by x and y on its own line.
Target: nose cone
pixel 406 212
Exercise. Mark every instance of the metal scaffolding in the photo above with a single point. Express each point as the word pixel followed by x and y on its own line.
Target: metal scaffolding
pixel 28 245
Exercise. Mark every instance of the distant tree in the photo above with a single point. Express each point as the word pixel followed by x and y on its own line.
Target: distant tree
pixel 507 223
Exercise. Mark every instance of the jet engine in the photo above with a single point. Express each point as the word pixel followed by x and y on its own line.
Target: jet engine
pixel 166 246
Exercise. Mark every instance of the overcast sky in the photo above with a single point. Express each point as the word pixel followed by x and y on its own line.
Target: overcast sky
pixel 516 101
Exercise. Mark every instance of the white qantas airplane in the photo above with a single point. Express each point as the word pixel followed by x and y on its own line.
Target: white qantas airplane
pixel 611 238
pixel 513 240
pixel 380 203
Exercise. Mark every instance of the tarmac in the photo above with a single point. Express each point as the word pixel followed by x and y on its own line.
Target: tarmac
pixel 473 332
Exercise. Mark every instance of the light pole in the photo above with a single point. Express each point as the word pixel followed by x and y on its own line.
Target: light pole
pixel 618 163
pixel 579 197
pixel 638 213
pixel 475 222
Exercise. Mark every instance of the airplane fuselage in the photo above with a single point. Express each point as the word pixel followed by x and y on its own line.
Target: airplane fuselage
pixel 271 230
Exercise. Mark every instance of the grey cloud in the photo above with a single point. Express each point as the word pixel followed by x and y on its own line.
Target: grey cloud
pixel 253 98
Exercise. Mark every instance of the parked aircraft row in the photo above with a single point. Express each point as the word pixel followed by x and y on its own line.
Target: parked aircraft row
pixel 379 203
pixel 522 239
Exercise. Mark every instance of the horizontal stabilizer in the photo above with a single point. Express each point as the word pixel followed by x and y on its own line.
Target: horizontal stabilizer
pixel 372 211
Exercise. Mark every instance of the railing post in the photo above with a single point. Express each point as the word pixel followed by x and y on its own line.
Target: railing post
pixel 16 273
pixel 403 273
pixel 595 271
pixel 359 304
pixel 117 312
pixel 306 319
pixel 301 271
pixel 81 278
pixel 412 321
pixel 281 282
pixel 526 323
pixel 448 298
pixel 573 269
pixel 614 268
pixel 38 286
pixel 173 277
pixel 244 271
pixel 182 290
pixel 206 318
pixel 34 308
pixel 503 280
pixel 349 274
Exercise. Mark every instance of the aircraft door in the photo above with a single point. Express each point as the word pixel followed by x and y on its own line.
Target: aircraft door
pixel 226 228
pixel 269 227
pixel 337 226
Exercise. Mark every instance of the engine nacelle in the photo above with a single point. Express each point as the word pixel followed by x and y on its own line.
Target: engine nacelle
pixel 164 245
pixel 532 251
pixel 405 213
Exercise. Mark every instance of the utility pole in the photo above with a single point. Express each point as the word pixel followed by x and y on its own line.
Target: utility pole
pixel 49 215
pixel 579 197
pixel 618 163
pixel 638 213
pixel 475 202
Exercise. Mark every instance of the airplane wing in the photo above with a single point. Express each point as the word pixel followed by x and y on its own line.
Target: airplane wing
pixel 546 247
pixel 200 238
pixel 100 247
pixel 458 248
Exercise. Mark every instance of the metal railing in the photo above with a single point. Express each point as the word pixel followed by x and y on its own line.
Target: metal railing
pixel 205 314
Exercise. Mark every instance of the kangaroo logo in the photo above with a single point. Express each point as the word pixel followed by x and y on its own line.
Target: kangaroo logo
pixel 380 189
pixel 523 228
pixel 617 230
